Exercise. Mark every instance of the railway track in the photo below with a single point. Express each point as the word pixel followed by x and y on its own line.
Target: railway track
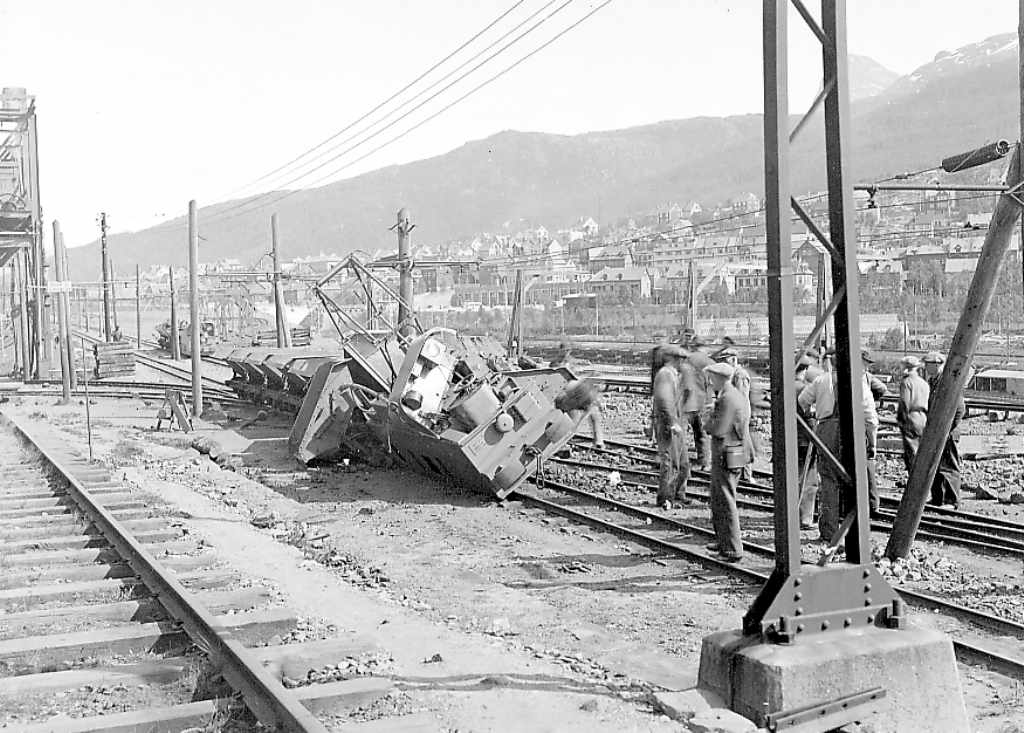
pixel 978 637
pixel 109 607
pixel 642 385
pixel 172 370
pixel 976 531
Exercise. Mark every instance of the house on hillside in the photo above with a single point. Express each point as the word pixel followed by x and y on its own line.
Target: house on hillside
pixel 613 256
pixel 621 284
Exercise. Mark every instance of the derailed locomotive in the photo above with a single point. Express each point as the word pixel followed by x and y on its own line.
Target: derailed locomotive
pixel 445 404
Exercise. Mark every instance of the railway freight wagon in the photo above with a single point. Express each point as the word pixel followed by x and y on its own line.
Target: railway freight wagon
pixel 997 383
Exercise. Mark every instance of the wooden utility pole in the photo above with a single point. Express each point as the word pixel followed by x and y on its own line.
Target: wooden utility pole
pixel 405 296
pixel 283 339
pixel 108 319
pixel 21 276
pixel 514 345
pixel 138 306
pixel 948 392
pixel 62 314
pixel 68 290
pixel 193 299
pixel 1020 78
pixel 175 343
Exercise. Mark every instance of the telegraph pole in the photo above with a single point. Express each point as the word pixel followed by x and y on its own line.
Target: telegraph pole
pixel 949 390
pixel 194 330
pixel 108 324
pixel 175 343
pixel 138 306
pixel 405 296
pixel 1020 77
pixel 21 276
pixel 62 314
pixel 283 339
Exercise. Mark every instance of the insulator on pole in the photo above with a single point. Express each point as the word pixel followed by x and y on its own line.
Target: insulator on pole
pixel 978 156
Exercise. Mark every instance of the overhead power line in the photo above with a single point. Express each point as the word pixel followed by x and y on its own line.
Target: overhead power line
pixel 403 105
pixel 434 115
pixel 379 106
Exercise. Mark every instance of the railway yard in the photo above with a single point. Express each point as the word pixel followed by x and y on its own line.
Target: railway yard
pixel 507 477
pixel 386 600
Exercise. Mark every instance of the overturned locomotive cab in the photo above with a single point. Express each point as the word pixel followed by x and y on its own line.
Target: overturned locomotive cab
pixel 451 413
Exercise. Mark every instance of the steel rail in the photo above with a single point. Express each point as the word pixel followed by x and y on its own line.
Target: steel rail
pixel 266 697
pixel 160 366
pixel 941 513
pixel 642 385
pixel 935 528
pixel 966 651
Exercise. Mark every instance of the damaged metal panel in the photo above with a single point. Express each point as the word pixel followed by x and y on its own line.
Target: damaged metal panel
pixel 452 415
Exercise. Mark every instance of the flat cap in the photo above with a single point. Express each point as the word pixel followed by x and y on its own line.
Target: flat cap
pixel 804 360
pixel 726 353
pixel 720 368
pixel 671 351
pixel 910 362
pixel 866 356
pixel 934 357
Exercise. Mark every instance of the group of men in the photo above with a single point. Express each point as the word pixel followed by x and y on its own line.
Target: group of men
pixel 917 391
pixel 821 478
pixel 710 396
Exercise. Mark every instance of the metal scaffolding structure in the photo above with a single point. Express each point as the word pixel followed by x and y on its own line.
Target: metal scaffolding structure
pixel 798 599
pixel 21 232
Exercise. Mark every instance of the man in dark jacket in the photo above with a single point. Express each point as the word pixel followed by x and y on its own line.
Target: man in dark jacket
pixel 947 483
pixel 695 397
pixel 673 467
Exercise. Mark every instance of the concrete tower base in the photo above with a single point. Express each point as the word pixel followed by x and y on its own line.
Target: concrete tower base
pixel 915 667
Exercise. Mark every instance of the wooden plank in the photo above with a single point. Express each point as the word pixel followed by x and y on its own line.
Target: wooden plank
pixel 81 539
pixel 72 572
pixel 164 671
pixel 36 520
pixel 88 555
pixel 117 502
pixel 338 695
pixel 59 651
pixel 23 492
pixel 140 610
pixel 7 505
pixel 69 524
pixel 26 597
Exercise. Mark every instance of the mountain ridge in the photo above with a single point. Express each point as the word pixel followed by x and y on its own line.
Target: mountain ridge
pixel 535 177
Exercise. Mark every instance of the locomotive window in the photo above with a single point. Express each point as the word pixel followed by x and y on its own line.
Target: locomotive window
pixel 990 384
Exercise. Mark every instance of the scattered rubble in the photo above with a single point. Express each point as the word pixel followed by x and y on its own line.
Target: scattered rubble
pixel 370 664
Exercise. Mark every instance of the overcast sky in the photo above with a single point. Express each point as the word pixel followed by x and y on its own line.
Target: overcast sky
pixel 144 104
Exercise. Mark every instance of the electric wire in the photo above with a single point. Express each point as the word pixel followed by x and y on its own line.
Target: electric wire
pixel 246 207
pixel 380 105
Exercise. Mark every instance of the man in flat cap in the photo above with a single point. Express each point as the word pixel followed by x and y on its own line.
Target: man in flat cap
pixel 741 381
pixel 728 424
pixel 947 483
pixel 820 396
pixel 669 434
pixel 912 408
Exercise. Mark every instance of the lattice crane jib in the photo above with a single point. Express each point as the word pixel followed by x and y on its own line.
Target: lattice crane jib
pixel 801 599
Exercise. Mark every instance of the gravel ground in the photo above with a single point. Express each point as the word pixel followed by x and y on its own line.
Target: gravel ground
pixel 489 611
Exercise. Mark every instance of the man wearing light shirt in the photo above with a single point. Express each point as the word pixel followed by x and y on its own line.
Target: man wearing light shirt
pixel 820 395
